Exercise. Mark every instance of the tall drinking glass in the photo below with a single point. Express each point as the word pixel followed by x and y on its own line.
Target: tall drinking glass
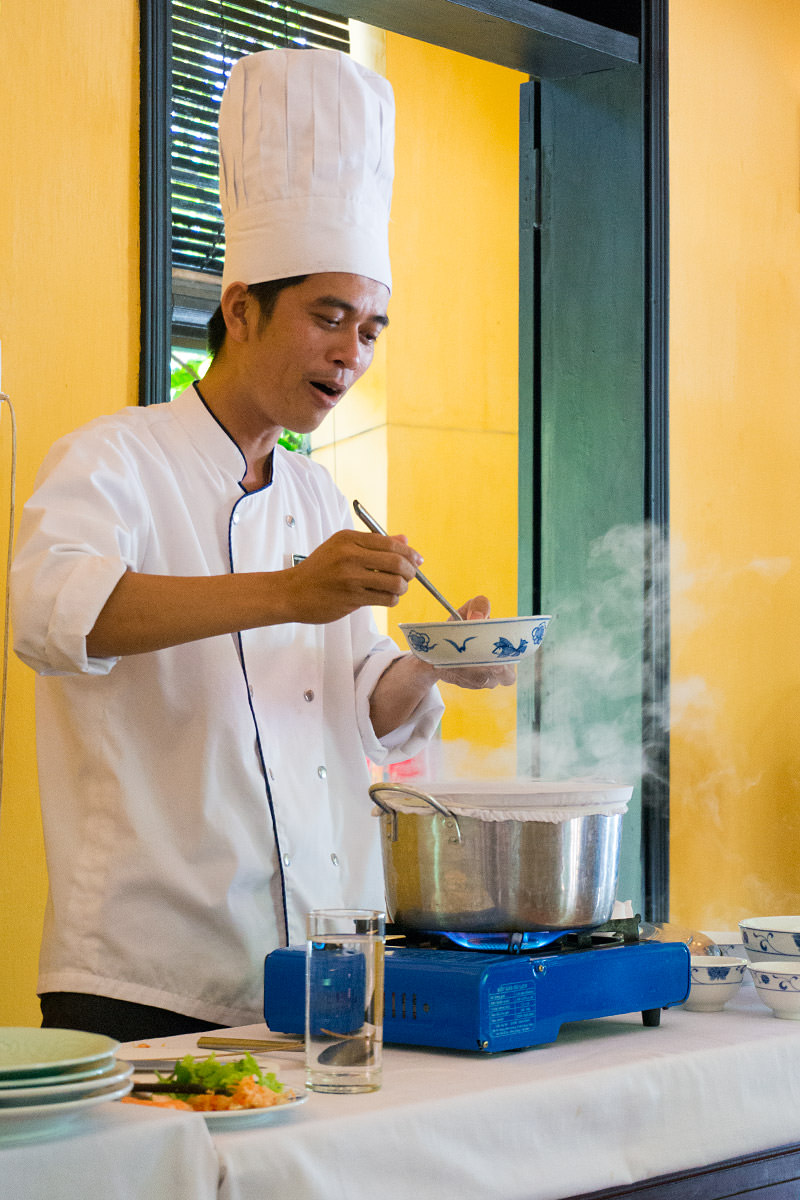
pixel 344 999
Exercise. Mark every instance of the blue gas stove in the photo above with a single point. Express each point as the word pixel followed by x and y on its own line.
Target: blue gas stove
pixel 490 993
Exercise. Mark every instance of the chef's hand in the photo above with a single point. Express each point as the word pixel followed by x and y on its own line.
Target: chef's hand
pixel 408 680
pixel 503 675
pixel 348 571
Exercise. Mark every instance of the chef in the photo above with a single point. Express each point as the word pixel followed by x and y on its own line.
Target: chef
pixel 196 602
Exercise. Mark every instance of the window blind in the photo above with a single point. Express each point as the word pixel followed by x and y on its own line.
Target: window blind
pixel 207 37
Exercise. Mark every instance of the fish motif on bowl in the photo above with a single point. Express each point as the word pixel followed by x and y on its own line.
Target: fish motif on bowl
pixel 503 648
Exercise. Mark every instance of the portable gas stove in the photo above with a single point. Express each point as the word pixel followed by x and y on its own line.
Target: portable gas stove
pixel 493 992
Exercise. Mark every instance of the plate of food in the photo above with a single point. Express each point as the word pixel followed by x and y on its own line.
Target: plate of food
pixel 229 1095
pixel 243 1118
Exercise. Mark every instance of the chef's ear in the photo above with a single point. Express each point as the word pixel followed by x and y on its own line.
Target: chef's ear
pixel 239 310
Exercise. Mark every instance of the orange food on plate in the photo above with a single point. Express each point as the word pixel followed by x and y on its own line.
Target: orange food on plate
pixel 157 1102
pixel 247 1094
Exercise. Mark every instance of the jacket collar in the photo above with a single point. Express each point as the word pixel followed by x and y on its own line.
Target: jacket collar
pixel 208 435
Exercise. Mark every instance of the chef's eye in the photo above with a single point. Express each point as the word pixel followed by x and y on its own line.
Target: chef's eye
pixel 329 319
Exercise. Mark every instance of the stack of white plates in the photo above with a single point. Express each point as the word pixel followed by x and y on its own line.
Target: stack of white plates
pixel 50 1076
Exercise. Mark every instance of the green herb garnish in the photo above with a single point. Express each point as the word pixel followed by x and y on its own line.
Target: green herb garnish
pixel 213 1075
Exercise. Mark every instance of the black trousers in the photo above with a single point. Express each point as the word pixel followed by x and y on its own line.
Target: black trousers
pixel 116 1018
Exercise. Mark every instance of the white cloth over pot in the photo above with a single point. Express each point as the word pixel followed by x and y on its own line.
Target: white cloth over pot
pixel 514 799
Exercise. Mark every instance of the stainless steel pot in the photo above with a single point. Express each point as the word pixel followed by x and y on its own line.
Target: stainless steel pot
pixel 458 872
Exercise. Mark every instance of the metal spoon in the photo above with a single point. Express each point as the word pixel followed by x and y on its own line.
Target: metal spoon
pixel 354 1052
pixel 372 524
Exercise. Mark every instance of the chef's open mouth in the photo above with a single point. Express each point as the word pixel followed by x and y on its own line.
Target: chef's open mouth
pixel 327 389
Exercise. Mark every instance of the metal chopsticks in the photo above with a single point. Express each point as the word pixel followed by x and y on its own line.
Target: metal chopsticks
pixel 372 524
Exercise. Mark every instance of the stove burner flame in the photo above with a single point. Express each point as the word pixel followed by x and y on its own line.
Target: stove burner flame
pixel 511 943
pixel 546 941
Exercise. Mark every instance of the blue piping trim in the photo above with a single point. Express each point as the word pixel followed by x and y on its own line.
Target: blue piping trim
pixel 259 747
pixel 230 436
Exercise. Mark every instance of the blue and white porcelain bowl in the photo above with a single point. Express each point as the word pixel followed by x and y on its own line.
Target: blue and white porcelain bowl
pixel 488 643
pixel 778 986
pixel 715 979
pixel 771 939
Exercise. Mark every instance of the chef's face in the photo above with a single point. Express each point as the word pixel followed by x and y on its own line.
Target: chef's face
pixel 318 341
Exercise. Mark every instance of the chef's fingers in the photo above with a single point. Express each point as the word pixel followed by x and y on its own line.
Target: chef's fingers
pixel 388 563
pixel 479 678
pixel 376 546
pixel 348 571
pixel 355 550
pixel 476 609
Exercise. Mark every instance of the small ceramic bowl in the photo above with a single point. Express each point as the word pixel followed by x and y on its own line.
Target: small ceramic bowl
pixel 727 941
pixel 475 643
pixel 778 986
pixel 715 979
pixel 771 939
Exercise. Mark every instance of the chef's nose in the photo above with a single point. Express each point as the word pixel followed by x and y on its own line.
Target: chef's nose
pixel 349 350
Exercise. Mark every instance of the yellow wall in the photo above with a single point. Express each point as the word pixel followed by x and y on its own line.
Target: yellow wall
pixel 735 446
pixel 68 332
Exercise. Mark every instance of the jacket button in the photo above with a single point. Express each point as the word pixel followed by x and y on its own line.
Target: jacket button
pixel 335 860
pixel 290 521
pixel 308 695
pixel 287 862
pixel 322 772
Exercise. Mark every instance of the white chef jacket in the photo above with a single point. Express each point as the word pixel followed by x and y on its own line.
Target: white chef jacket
pixel 197 801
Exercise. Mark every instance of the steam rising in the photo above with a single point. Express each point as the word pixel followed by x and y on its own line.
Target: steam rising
pixel 591 670
pixel 589 677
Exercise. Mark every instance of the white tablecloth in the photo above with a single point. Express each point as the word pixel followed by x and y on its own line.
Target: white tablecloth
pixel 611 1102
pixel 114 1152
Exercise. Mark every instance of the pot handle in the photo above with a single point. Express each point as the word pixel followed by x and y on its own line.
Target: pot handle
pixel 403 789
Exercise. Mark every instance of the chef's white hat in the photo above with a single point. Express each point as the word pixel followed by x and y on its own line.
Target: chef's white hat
pixel 306 167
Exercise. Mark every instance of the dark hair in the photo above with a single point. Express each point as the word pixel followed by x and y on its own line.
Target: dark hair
pixel 265 293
